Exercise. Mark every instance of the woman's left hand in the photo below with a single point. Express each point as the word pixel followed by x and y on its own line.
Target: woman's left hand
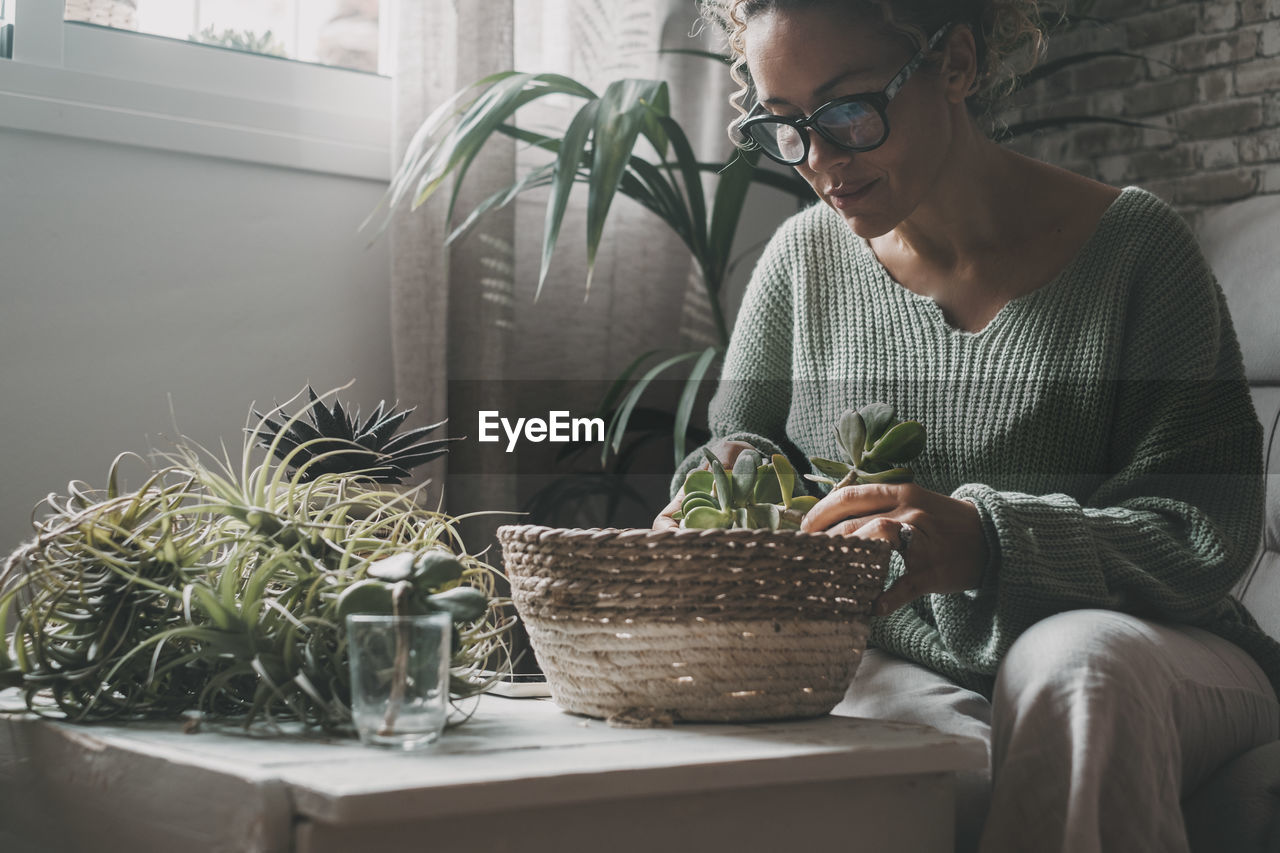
pixel 943 550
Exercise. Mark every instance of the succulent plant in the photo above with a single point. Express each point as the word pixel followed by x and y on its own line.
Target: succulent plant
pixel 875 447
pixel 874 443
pixel 753 495
pixel 335 441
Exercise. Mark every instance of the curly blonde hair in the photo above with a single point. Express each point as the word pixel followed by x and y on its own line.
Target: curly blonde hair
pixel 1009 35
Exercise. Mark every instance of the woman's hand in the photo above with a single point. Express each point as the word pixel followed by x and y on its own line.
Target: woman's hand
pixel 943 551
pixel 727 452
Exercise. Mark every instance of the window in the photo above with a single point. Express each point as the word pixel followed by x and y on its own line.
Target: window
pixel 6 30
pixel 342 33
pixel 89 69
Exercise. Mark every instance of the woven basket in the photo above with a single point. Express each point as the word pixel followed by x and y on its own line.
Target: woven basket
pixel 642 626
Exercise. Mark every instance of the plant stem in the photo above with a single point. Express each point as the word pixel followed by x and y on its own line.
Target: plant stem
pixel 400 674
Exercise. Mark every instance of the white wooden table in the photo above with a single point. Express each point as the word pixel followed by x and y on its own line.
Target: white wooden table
pixel 520 775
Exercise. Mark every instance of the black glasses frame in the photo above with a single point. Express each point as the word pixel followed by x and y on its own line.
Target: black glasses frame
pixel 877 101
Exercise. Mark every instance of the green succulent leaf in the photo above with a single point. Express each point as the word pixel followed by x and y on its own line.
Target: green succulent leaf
pixel 902 443
pixel 786 477
pixel 707 518
pixel 851 436
pixel 365 596
pixel 767 490
pixel 698 480
pixel 744 477
pixel 803 503
pixel 435 568
pixel 762 517
pixel 829 467
pixel 463 603
pixel 393 569
pixel 690 503
pixel 877 417
pixel 724 488
pixel 893 475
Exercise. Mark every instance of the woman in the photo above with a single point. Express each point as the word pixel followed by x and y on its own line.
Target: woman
pixel 1091 488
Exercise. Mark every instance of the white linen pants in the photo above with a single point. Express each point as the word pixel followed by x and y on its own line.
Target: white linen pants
pixel 1099 725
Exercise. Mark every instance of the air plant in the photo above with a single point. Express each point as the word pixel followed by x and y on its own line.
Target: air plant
pixel 223 588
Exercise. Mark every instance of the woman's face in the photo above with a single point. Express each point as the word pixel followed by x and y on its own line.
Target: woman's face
pixel 801 59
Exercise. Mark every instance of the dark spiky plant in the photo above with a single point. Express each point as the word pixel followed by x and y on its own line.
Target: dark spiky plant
pixel 336 441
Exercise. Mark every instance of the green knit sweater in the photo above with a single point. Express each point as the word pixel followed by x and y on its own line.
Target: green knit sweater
pixel 1101 424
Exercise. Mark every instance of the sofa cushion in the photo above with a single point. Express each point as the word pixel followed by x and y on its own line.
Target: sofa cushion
pixel 1259 589
pixel 1239 241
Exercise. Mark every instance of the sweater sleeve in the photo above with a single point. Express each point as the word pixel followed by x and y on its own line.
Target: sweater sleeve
pixel 1175 522
pixel 753 396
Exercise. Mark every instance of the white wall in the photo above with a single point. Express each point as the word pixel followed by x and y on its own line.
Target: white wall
pixel 130 275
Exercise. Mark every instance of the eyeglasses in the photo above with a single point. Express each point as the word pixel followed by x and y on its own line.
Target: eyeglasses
pixel 852 123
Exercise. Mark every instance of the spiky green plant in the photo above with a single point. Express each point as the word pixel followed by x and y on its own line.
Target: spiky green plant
pixel 335 441
pixel 223 588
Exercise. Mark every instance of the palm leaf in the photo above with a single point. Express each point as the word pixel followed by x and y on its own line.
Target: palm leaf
pixel 417 150
pixel 684 410
pixel 731 193
pixel 539 177
pixel 619 120
pixel 618 427
pixel 692 179
pixel 615 389
pixel 566 172
pixel 456 149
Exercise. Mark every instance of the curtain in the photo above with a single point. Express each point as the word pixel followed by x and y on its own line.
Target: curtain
pixel 468 333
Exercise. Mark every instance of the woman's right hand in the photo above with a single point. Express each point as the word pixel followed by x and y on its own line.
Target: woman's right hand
pixel 727 452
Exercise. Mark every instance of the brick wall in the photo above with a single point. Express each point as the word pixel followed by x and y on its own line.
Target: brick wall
pixel 1209 89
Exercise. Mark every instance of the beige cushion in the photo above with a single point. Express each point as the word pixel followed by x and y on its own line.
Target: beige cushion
pixel 1238 809
pixel 1242 244
pixel 1260 588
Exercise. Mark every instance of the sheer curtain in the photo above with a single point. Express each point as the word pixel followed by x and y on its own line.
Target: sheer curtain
pixel 468 333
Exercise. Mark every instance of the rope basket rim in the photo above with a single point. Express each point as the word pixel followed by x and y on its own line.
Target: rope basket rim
pixel 601 534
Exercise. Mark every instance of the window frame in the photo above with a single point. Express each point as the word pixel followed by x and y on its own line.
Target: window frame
pixel 91 82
